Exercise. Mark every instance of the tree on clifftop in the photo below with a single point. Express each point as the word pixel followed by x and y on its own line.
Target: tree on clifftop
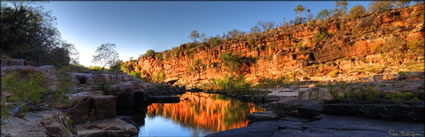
pixel 323 15
pixel 380 6
pixel 299 10
pixel 149 53
pixel 194 35
pixel 341 8
pixel 105 55
pixel 356 11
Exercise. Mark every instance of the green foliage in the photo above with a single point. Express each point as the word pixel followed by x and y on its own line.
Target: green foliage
pixel 116 68
pixel 311 23
pixel 196 66
pixel 104 87
pixel 216 42
pixel 251 42
pixel 323 15
pixel 341 8
pixel 401 3
pixel 106 55
pixel 135 74
pixel 159 57
pixel 95 67
pixel 299 10
pixel 231 62
pixel 30 34
pixel 416 47
pixel 235 85
pixel 29 89
pixel 298 45
pixel 333 73
pixel 356 11
pixel 149 53
pixel 319 36
pixel 65 84
pixel 370 93
pixel 191 54
pixel 272 83
pixel 25 89
pixel 158 77
pixel 397 97
pixel 380 6
pixel 194 35
pixel 394 47
pixel 319 85
pixel 189 45
pixel 176 51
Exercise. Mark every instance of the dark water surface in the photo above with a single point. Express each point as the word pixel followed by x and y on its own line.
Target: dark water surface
pixel 197 114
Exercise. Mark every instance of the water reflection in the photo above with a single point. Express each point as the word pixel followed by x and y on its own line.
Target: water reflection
pixel 197 114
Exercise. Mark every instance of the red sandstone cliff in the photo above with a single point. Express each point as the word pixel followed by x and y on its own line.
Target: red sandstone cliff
pixel 382 39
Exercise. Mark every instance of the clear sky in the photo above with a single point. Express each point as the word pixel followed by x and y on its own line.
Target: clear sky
pixel 137 26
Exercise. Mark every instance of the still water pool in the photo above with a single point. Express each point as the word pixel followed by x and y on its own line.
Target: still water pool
pixel 197 114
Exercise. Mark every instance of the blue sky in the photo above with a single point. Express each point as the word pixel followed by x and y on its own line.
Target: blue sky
pixel 137 26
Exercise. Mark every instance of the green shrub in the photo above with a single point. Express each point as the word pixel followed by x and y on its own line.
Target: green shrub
pixel 319 85
pixel 319 36
pixel 159 57
pixel 251 42
pixel 191 54
pixel 149 53
pixel 31 89
pixel 135 74
pixel 333 73
pixel 416 47
pixel 356 11
pixel 196 66
pixel 397 97
pixel 25 89
pixel 271 83
pixel 235 85
pixel 176 51
pixel 231 62
pixel 380 6
pixel 298 45
pixel 159 77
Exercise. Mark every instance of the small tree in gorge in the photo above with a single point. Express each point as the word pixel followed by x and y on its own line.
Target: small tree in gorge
pixel 105 55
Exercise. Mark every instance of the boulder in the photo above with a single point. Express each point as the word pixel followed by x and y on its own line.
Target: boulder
pixel 49 123
pixel 80 108
pixel 108 127
pixel 317 94
pixel 104 106
pixel 87 106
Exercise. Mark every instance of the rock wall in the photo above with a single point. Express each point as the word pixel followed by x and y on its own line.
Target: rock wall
pixel 350 43
pixel 96 100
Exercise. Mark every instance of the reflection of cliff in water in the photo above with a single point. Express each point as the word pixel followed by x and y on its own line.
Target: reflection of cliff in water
pixel 213 112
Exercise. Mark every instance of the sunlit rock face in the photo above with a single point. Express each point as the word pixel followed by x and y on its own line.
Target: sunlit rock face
pixel 211 112
pixel 349 45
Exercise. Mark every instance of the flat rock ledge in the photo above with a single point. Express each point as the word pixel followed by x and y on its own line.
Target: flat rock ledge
pixel 106 128
pixel 262 116
pixel 327 126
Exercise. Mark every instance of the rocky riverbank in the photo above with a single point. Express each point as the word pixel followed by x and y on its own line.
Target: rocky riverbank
pixel 98 103
pixel 311 109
